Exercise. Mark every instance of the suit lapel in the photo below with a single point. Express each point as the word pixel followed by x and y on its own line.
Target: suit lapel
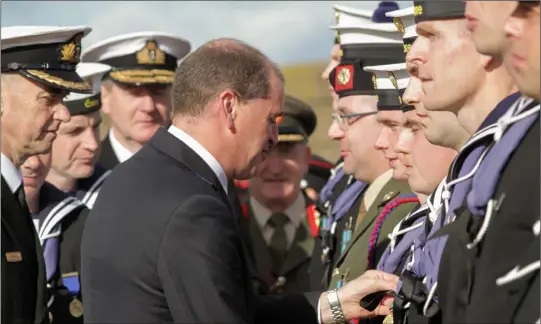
pixel 385 195
pixel 107 156
pixel 301 249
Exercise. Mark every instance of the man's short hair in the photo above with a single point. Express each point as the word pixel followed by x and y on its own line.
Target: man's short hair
pixel 219 65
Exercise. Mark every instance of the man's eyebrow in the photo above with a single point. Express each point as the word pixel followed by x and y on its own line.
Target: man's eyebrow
pixel 409 123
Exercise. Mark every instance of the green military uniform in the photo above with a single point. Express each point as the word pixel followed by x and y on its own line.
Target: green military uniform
pixel 354 261
pixel 291 274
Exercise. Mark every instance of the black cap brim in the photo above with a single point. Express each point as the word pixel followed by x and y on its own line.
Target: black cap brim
pixel 59 79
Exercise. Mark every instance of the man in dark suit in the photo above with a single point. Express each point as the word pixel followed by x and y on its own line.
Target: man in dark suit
pixel 181 257
pixel 38 70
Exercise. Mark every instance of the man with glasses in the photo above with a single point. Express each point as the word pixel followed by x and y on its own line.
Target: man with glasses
pixel 341 198
pixel 359 130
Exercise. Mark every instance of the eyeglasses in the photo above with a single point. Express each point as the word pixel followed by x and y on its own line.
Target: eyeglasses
pixel 345 120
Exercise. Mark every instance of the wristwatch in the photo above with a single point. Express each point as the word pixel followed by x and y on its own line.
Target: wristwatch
pixel 336 309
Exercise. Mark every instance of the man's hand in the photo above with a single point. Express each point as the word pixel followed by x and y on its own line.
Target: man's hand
pixel 351 294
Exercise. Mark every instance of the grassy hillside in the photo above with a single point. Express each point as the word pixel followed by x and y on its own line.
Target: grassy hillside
pixel 304 82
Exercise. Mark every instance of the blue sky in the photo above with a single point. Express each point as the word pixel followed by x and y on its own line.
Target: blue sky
pixel 288 31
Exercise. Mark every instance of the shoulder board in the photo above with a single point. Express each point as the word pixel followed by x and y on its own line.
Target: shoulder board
pixel 389 207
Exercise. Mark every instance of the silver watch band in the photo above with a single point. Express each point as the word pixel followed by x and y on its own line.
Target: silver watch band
pixel 336 308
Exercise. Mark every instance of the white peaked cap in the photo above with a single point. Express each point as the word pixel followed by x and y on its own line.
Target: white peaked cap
pixel 386 73
pixel 16 36
pixel 127 44
pixel 92 72
pixel 347 15
pixel 404 19
pixel 373 33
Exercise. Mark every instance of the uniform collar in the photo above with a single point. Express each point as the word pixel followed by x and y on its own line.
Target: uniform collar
pixel 12 175
pixel 122 153
pixel 375 187
pixel 202 152
pixel 295 212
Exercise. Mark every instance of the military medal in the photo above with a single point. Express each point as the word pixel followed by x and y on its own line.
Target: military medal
pixel 76 308
pixel 50 317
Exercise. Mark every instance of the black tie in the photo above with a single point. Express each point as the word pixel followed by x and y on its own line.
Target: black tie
pixel 21 198
pixel 278 245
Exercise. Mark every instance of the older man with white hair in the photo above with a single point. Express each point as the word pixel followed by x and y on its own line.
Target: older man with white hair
pixel 38 70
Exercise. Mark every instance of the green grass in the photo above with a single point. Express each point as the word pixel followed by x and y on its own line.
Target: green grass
pixel 305 83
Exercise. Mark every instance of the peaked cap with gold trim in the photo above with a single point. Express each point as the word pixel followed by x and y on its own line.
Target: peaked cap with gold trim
pixel 81 104
pixel 47 55
pixel 141 58
pixel 298 121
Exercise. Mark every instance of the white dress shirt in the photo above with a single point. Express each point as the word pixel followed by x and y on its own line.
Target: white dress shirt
pixel 296 212
pixel 12 175
pixel 202 152
pixel 122 153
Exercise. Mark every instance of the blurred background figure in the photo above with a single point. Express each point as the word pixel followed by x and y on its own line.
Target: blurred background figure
pixel 280 216
pixel 59 220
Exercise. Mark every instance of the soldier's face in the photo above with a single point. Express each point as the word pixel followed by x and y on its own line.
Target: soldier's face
pixel 358 138
pixel 485 22
pixel 279 176
pixel 445 55
pixel 31 115
pixel 34 171
pixel 391 122
pixel 136 112
pixel 425 164
pixel 439 127
pixel 77 147
pixel 522 61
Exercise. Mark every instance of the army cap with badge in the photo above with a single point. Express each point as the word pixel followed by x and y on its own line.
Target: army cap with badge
pixel 82 104
pixel 142 58
pixel 297 122
pixel 364 45
pixel 47 55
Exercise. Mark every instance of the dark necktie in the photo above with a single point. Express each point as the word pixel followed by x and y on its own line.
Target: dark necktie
pixel 21 198
pixel 278 244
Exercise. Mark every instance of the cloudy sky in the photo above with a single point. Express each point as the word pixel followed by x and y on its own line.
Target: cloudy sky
pixel 288 31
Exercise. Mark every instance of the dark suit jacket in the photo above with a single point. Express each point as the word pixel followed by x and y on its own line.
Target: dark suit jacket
pixel 162 245
pixel 24 291
pixel 108 157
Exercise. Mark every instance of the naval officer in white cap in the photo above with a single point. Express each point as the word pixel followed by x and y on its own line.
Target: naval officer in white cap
pixel 136 92
pixel 38 70
pixel 74 167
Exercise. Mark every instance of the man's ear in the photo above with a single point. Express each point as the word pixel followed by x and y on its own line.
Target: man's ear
pixel 228 103
pixel 490 63
pixel 105 99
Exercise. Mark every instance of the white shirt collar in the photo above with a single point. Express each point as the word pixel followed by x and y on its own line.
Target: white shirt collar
pixel 12 175
pixel 122 153
pixel 202 152
pixel 296 212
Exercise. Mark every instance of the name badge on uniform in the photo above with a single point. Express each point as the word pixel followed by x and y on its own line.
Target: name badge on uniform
pixel 15 256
